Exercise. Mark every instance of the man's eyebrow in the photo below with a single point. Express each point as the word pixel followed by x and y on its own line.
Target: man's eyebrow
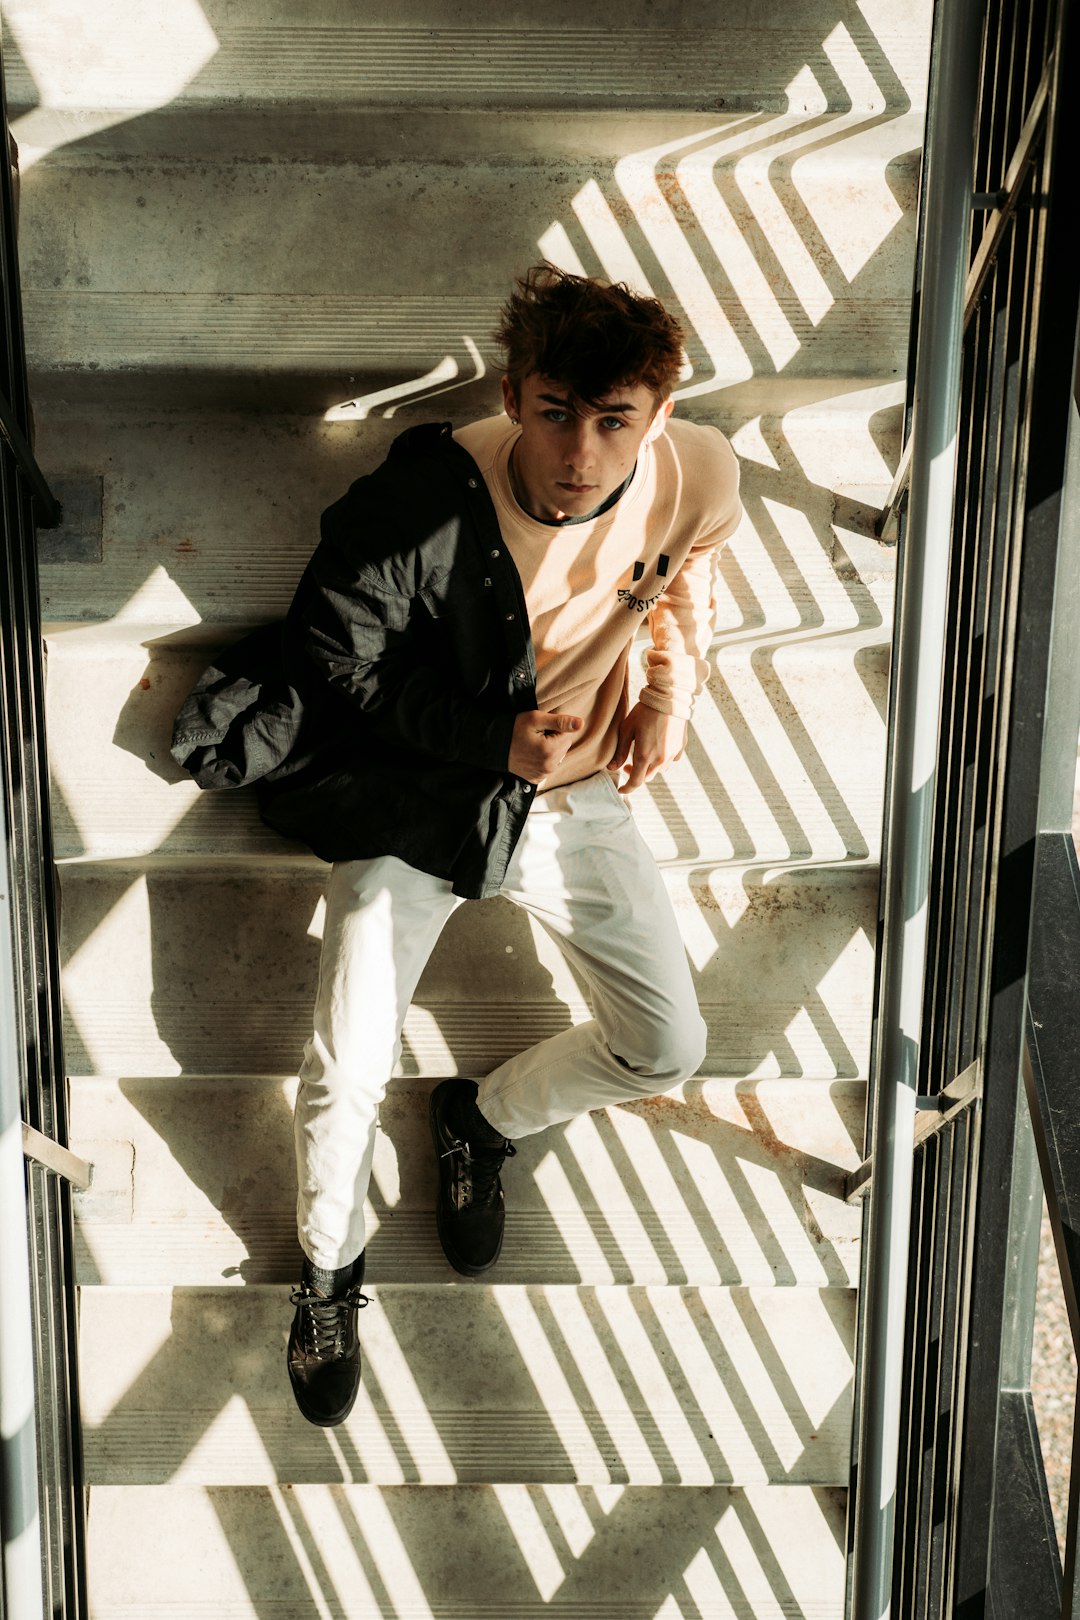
pixel 620 408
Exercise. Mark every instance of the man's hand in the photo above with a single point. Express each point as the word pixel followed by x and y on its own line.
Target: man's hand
pixel 540 742
pixel 655 740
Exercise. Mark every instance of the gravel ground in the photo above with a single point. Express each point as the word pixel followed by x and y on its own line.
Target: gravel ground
pixel 1053 1363
pixel 1053 1379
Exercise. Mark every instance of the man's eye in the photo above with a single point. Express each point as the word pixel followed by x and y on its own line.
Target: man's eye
pixel 557 416
pixel 614 422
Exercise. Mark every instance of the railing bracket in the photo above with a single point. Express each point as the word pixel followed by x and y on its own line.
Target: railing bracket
pixel 932 1113
pixel 57 1158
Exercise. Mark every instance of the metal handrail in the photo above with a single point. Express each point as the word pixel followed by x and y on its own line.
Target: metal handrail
pixel 963 1525
pixel 57 1158
pixel 907 844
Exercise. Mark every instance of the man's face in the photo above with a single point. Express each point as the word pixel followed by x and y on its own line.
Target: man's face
pixel 567 463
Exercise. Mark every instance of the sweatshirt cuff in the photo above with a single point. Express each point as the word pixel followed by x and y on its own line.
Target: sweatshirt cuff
pixel 676 704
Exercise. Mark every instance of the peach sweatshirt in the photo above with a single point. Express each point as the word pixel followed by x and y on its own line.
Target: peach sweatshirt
pixel 589 585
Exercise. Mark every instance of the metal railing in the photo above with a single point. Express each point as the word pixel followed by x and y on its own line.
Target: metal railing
pixel 907 839
pixel 42 1530
pixel 951 1515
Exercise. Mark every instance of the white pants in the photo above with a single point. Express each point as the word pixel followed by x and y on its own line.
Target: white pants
pixel 582 870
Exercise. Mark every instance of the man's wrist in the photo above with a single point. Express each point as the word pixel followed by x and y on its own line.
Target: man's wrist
pixel 677 705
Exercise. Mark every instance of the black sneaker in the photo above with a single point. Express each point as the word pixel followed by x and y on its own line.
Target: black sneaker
pixel 470 1211
pixel 324 1351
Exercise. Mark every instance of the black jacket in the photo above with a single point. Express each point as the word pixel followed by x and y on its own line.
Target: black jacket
pixel 378 718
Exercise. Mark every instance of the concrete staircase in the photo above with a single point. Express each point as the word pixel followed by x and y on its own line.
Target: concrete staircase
pixel 257 241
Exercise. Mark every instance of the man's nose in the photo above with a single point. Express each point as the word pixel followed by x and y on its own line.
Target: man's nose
pixel 579 451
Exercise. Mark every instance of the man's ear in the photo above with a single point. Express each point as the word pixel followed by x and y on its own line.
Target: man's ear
pixel 659 421
pixel 509 401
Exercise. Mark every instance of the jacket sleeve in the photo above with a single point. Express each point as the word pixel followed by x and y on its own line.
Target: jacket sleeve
pixel 242 719
pixel 372 637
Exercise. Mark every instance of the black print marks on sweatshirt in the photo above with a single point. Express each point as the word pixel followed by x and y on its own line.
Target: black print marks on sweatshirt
pixel 642 604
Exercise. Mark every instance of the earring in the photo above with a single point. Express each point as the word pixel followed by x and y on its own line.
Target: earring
pixel 515 421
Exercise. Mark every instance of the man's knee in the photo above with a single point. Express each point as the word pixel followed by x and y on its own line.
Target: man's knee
pixel 666 1053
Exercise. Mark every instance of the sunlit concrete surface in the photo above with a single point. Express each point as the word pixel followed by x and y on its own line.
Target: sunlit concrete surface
pixel 721 1181
pixel 172 970
pixel 256 243
pixel 493 1382
pixel 74 70
pixel 573 1553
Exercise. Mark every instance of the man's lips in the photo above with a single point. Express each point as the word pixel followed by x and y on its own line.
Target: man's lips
pixel 577 489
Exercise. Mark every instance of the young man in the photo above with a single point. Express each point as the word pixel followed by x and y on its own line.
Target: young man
pixel 467 624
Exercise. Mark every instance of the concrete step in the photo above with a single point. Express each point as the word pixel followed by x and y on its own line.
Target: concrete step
pixel 768 775
pixel 785 251
pixel 166 225
pixel 178 519
pixel 719 1182
pixel 175 966
pixel 517 1552
pixel 126 62
pixel 485 1384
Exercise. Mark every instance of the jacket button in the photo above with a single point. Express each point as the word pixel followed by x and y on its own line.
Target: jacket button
pixel 495 553
pixel 528 787
pixel 473 484
pixel 510 617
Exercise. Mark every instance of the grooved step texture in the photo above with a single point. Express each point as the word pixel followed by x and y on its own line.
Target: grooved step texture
pixel 360 336
pixel 622 1247
pixel 718 1182
pixel 630 1609
pixel 482 1383
pixel 451 64
pixel 468 1553
pixel 670 56
pixel 179 969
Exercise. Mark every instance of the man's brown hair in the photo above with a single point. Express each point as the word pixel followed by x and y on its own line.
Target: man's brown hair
pixel 589 336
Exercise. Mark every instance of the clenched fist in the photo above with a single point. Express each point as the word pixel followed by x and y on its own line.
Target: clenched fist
pixel 540 742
